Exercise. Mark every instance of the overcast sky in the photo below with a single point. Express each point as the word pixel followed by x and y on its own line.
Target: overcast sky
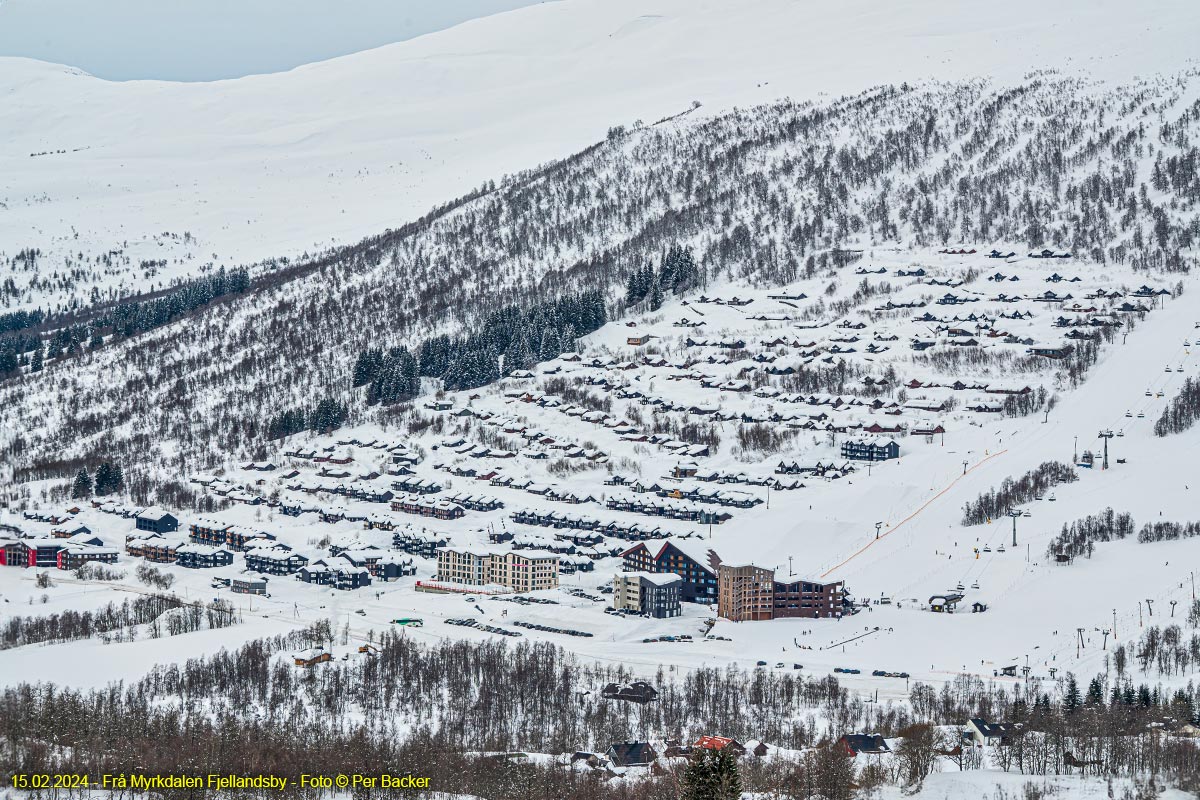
pixel 197 40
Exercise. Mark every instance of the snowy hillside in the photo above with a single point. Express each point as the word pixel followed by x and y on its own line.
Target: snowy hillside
pixel 127 186
pixel 556 399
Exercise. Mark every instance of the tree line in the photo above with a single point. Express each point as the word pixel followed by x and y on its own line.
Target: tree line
pixel 1010 494
pixel 508 340
pixel 70 625
pixel 109 479
pixel 458 711
pixel 677 273
pixel 1183 410
pixel 29 349
pixel 1079 537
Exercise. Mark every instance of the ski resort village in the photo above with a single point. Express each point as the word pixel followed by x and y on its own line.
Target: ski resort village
pixel 611 400
pixel 880 474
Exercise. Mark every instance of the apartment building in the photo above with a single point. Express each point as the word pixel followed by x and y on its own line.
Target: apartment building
pixel 653 593
pixel 748 592
pixel 745 592
pixel 519 570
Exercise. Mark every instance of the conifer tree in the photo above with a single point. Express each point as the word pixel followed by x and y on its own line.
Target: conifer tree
pixel 1072 698
pixel 83 485
pixel 656 295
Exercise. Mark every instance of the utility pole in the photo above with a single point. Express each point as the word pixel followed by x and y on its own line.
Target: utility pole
pixel 1076 457
pixel 1150 606
pixel 878 525
pixel 964 468
pixel 1106 435
pixel 1014 514
pixel 1105 645
pixel 1114 625
pixel 1080 647
pixel 1173 602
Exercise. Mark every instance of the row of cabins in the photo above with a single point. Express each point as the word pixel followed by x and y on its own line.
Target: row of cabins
pixel 57 553
pixel 818 470
pixel 274 558
pixel 668 509
pixel 336 573
pixel 419 543
pixel 213 533
pixel 693 470
pixel 733 499
pixel 423 506
pixel 632 532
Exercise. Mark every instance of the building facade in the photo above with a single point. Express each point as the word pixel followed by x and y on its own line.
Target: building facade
pixel 521 571
pixel 745 592
pixel 697 565
pixel 749 592
pixel 878 449
pixel 650 593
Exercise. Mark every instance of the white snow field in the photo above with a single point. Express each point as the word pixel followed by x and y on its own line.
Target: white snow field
pixel 268 166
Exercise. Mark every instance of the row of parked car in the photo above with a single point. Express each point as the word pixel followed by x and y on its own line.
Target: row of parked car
pixel 552 629
pixel 683 637
pixel 581 593
pixel 879 673
pixel 468 622
pixel 781 665
pixel 525 601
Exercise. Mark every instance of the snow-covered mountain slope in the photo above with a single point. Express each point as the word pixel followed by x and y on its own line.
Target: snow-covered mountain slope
pixel 126 186
pixel 763 196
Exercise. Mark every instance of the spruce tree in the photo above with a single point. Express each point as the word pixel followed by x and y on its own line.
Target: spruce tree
pixel 548 348
pixel 711 775
pixel 1072 698
pixel 727 783
pixel 656 294
pixel 698 781
pixel 83 485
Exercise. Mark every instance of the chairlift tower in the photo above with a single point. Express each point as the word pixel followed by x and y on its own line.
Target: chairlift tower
pixel 1106 435
pixel 1014 514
